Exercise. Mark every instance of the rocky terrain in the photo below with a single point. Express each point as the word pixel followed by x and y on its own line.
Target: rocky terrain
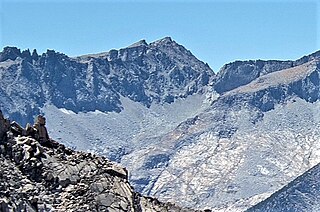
pixel 238 73
pixel 43 175
pixel 248 144
pixel 302 194
pixel 157 72
pixel 225 142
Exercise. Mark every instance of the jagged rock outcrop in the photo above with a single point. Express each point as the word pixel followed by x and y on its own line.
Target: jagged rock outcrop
pixel 159 72
pixel 4 126
pixel 41 129
pixel 11 53
pixel 47 176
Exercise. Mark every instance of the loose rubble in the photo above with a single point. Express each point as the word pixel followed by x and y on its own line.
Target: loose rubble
pixel 39 174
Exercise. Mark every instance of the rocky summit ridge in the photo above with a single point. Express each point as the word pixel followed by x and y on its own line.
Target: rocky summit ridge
pixel 39 174
pixel 239 73
pixel 159 72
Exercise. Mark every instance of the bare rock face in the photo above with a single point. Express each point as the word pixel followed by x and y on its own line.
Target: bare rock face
pixel 158 72
pixel 10 53
pixel 4 126
pixel 46 176
pixel 41 129
pixel 275 88
pixel 239 73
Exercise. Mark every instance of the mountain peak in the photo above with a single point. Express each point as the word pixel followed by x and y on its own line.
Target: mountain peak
pixel 9 53
pixel 165 40
pixel 139 43
pixel 132 72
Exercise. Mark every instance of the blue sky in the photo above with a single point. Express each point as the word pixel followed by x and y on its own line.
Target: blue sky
pixel 217 32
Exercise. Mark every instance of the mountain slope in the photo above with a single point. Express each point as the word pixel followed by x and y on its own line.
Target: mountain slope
pixel 47 176
pixel 302 194
pixel 251 141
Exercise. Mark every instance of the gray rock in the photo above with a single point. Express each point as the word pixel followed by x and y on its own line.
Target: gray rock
pixel 238 73
pixel 63 180
pixel 302 194
pixel 10 53
pixel 158 72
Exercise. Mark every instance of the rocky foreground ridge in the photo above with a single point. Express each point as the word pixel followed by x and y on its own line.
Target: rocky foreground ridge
pixel 39 174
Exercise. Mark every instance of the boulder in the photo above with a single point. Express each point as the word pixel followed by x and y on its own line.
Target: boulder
pixel 41 130
pixel 4 126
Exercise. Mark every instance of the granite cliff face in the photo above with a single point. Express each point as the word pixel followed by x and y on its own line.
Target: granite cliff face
pixel 158 72
pixel 38 175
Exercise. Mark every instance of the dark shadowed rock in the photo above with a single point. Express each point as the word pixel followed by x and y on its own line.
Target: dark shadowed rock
pixel 9 53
